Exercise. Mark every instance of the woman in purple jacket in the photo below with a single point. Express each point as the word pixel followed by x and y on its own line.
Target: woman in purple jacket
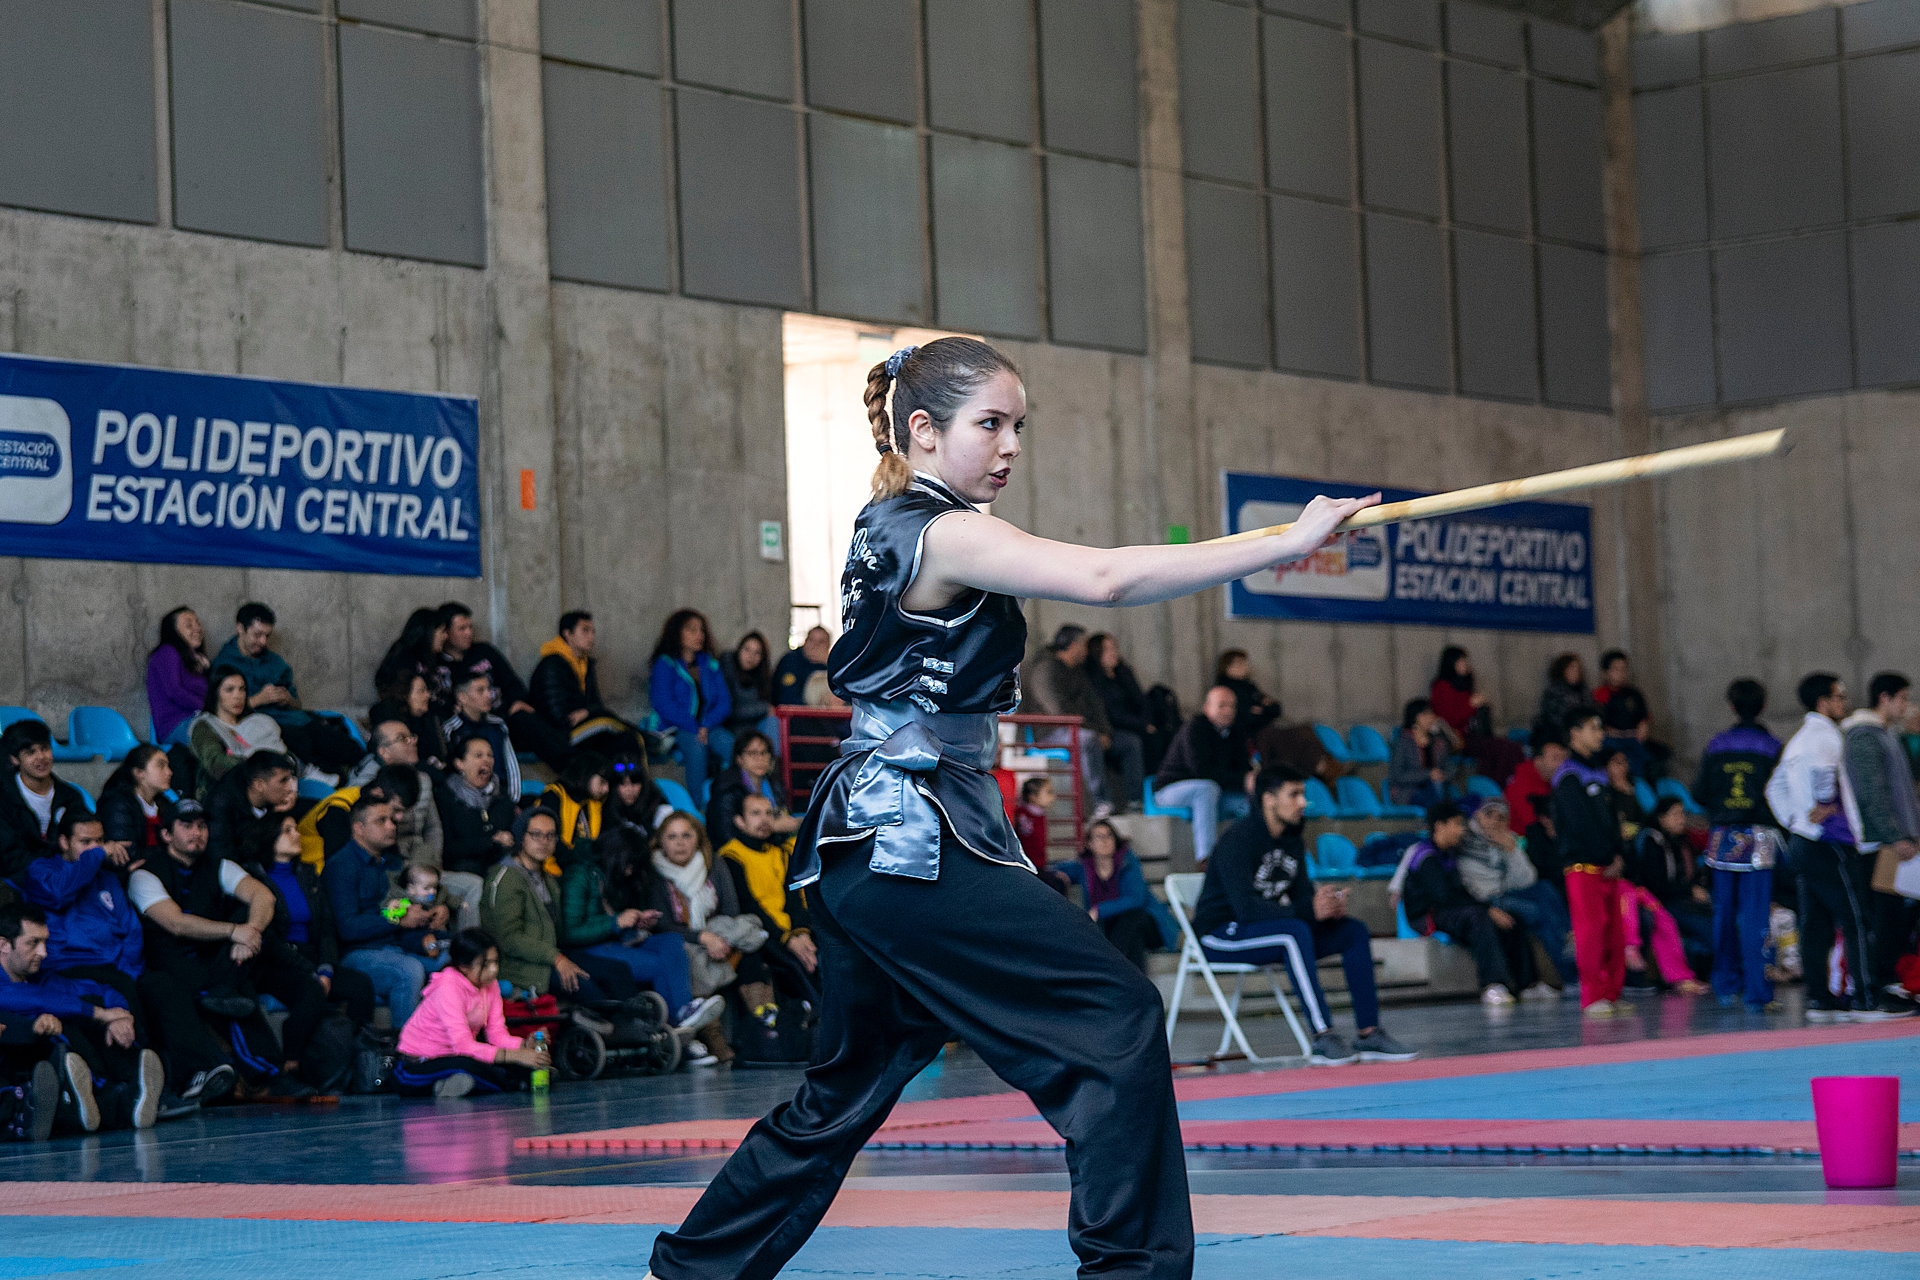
pixel 177 675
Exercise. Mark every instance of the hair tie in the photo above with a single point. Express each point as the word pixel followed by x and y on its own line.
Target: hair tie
pixel 897 359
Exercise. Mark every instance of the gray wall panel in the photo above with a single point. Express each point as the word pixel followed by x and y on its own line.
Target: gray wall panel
pixel 1479 31
pixel 1334 11
pixel 1219 91
pixel 1886 323
pixel 1573 326
pixel 1089 77
pixel 1407 338
pixel 249 136
pixel 76 107
pixel 1416 21
pixel 1316 288
pixel 1783 318
pixel 410 143
pixel 1670 59
pixel 1880 24
pixel 1096 274
pixel 985 229
pixel 1670 145
pixel 1883 134
pixel 860 57
pixel 1487 122
pixel 606 184
pixel 439 17
pixel 1565 52
pixel 1493 312
pixel 622 34
pixel 739 201
pixel 1567 157
pixel 868 253
pixel 1400 127
pixel 1676 294
pixel 743 45
pixel 1225 276
pixel 1309 73
pixel 1749 46
pixel 980 67
pixel 1775 146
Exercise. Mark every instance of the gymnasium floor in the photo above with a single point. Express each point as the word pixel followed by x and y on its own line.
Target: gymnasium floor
pixel 1498 1155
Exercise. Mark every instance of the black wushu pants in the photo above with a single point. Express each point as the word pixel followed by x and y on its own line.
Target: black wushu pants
pixel 993 955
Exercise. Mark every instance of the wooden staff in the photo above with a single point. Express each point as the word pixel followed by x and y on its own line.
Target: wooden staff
pixel 1647 466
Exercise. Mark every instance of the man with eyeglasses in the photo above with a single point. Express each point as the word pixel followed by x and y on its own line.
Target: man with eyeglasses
pixel 517 909
pixel 421 840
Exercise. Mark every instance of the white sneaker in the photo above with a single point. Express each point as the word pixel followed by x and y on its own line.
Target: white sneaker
pixel 1496 994
pixel 698 1055
pixel 1539 991
pixel 1600 1009
pixel 699 1013
pixel 457 1085
pixel 1102 810
pixel 146 1098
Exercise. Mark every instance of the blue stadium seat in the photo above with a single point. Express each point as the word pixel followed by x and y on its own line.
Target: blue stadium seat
pixel 1678 790
pixel 86 795
pixel 531 788
pixel 1320 800
pixel 678 797
pixel 100 731
pixel 1335 857
pixel 1366 745
pixel 1151 807
pixel 314 789
pixel 1520 734
pixel 1357 799
pixel 1388 809
pixel 1405 930
pixel 1330 739
pixel 1644 794
pixel 346 722
pixel 706 793
pixel 1483 787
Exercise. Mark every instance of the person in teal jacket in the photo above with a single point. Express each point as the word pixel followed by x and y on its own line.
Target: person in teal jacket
pixel 689 692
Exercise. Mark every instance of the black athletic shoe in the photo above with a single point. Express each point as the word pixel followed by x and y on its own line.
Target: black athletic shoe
pixel 78 1107
pixel 290 1087
pixel 173 1107
pixel 228 1004
pixel 1884 1010
pixel 43 1101
pixel 146 1097
pixel 1378 1046
pixel 210 1086
pixel 1329 1050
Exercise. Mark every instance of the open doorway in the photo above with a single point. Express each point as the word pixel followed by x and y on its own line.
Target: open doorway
pixel 830 456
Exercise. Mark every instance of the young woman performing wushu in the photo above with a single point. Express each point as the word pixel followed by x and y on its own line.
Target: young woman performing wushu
pixel 929 921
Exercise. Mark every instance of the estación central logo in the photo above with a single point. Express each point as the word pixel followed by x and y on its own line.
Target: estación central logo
pixel 36 461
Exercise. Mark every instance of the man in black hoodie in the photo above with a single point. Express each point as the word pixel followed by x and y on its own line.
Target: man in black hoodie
pixel 1205 769
pixel 514 705
pixel 32 798
pixel 1259 906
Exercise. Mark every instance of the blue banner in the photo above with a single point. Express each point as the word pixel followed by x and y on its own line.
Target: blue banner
pixel 108 462
pixel 1526 566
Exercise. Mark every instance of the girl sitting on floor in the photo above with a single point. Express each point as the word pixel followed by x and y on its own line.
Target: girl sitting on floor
pixel 457 1039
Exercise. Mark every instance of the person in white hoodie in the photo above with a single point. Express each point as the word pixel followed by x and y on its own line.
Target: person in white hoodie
pixel 1810 793
pixel 1882 784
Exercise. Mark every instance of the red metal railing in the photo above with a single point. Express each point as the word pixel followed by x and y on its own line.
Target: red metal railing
pixel 814 735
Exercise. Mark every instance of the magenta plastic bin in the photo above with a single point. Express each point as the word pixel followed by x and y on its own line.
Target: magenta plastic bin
pixel 1858 1119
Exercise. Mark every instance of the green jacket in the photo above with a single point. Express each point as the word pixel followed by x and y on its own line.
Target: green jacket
pixel 584 921
pixel 521 924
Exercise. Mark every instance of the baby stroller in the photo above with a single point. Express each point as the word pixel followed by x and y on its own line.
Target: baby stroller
pixel 585 1037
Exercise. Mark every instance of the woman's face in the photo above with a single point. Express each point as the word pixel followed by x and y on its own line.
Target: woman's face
pixel 1618 773
pixel 693 636
pixel 155 776
pixel 287 846
pixel 187 623
pixel 751 655
pixel 1100 840
pixel 1237 668
pixel 233 697
pixel 1575 673
pixel 679 843
pixel 628 789
pixel 975 454
pixel 1463 665
pixel 439 638
pixel 1494 825
pixel 597 788
pixel 1109 656
pixel 485 971
pixel 1674 821
pixel 476 765
pixel 756 759
pixel 418 699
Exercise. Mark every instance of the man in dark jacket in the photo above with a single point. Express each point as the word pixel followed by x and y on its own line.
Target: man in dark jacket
pixel 1592 856
pixel 356 881
pixel 797 667
pixel 1742 847
pixel 1205 769
pixel 512 701
pixel 1437 900
pixel 1259 906
pixel 1882 779
pixel 566 691
pixel 31 797
pixel 263 783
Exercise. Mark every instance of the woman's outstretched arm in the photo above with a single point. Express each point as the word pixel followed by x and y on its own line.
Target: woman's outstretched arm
pixel 970 549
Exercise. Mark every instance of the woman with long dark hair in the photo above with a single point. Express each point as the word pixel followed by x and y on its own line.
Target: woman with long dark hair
pixel 417 650
pixel 751 772
pixel 177 675
pixel 689 692
pixel 408 698
pixel 1469 713
pixel 130 804
pixel 1566 689
pixel 929 919
pixel 225 732
pixel 749 672
pixel 1114 891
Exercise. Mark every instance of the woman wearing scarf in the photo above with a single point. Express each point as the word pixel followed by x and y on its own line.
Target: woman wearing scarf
pixel 1470 715
pixel 1115 892
pixel 223 734
pixel 722 943
pixel 476 814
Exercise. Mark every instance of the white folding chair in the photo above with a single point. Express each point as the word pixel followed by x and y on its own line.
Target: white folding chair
pixel 1183 891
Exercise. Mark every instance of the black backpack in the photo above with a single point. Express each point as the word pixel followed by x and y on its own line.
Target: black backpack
pixel 789 1044
pixel 375 1055
pixel 1163 713
pixel 327 1064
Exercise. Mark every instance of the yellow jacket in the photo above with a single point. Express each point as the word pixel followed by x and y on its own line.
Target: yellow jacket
pixel 313 849
pixel 765 871
pixel 556 797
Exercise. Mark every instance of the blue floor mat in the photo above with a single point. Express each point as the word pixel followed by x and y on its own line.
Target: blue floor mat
pixel 1766 1085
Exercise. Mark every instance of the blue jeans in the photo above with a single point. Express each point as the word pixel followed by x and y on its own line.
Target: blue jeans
pixel 1742 919
pixel 1258 943
pixel 1544 912
pixel 688 751
pixel 1209 805
pixel 396 976
pixel 660 961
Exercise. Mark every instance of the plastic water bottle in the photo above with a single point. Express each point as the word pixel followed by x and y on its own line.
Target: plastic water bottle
pixel 542 1078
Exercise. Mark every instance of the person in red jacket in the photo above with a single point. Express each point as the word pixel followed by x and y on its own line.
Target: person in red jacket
pixel 1529 803
pixel 1469 714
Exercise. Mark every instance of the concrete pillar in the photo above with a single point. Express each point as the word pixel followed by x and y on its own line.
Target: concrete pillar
pixel 1186 494
pixel 525 568
pixel 1637 541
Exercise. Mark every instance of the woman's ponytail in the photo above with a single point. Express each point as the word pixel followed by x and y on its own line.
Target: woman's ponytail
pixel 892 477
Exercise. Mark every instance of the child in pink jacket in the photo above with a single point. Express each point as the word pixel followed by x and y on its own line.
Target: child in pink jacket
pixel 457 1038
